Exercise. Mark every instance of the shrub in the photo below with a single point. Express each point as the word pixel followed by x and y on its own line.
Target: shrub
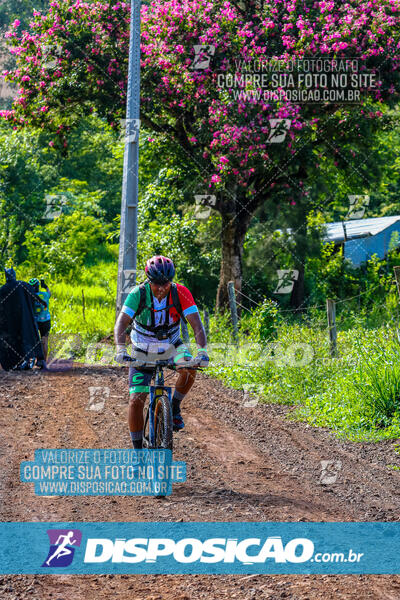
pixel 62 245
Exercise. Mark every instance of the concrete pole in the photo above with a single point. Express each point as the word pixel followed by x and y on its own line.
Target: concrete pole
pixel 127 262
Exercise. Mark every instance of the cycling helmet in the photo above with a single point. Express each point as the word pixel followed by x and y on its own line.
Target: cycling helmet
pixel 160 269
pixel 34 283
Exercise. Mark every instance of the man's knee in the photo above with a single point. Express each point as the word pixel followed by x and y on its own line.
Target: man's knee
pixel 188 373
pixel 137 399
pixel 185 380
pixel 192 373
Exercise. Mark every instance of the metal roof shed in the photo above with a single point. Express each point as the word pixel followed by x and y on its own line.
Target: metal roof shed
pixel 361 238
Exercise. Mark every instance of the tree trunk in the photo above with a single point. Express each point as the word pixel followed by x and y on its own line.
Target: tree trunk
pixel 233 231
pixel 303 245
pixel 297 297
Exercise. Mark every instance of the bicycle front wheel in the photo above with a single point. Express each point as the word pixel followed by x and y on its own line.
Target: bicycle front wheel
pixel 163 423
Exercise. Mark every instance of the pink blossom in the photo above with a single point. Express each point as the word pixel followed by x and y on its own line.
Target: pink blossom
pixel 233 131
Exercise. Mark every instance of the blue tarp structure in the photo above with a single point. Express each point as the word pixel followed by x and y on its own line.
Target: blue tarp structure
pixel 361 238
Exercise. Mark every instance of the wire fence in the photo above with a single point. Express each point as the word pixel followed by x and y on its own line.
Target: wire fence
pixel 327 320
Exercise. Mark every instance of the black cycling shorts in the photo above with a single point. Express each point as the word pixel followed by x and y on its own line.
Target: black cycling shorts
pixel 44 328
pixel 140 376
pixel 139 380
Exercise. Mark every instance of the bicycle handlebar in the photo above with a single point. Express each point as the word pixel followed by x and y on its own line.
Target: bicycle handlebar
pixel 166 363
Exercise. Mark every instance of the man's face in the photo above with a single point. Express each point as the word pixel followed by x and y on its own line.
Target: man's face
pixel 160 290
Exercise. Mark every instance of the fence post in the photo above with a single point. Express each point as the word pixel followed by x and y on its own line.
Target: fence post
pixel 233 307
pixel 331 312
pixel 397 276
pixel 206 322
pixel 83 306
pixel 185 332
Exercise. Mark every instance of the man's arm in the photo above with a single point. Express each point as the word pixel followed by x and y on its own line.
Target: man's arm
pixel 42 302
pixel 33 296
pixel 121 325
pixel 120 337
pixel 198 330
pixel 44 285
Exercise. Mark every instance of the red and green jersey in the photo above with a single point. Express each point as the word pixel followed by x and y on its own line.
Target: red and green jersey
pixel 132 303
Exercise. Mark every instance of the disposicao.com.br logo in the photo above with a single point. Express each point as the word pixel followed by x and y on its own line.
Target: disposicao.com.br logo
pixel 213 550
pixel 62 547
pixel 200 547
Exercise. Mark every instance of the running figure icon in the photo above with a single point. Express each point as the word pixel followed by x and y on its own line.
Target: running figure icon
pixel 62 549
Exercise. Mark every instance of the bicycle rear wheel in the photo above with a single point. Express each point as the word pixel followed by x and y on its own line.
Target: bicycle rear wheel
pixel 163 423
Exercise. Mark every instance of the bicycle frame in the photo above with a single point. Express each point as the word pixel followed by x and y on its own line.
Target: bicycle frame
pixel 157 390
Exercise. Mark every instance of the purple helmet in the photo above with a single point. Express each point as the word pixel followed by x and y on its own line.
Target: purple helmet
pixel 160 269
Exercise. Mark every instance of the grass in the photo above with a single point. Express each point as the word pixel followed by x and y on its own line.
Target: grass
pixel 79 320
pixel 356 395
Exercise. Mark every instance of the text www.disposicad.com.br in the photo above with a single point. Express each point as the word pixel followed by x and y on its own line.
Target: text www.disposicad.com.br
pixel 66 488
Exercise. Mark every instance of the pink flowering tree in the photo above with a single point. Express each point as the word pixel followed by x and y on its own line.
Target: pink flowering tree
pixel 244 148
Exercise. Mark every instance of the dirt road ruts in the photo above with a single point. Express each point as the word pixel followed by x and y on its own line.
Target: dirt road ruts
pixel 243 464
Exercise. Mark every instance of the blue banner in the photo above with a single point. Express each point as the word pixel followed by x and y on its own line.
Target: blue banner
pixel 212 548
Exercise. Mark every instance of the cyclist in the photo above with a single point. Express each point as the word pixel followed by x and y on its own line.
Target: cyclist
pixel 42 315
pixel 155 308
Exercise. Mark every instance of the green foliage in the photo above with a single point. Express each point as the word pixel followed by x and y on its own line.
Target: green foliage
pixel 338 397
pixel 371 286
pixel 30 171
pixel 72 327
pixel 261 324
pixel 21 10
pixel 10 10
pixel 166 226
pixel 24 177
pixel 357 395
pixel 378 379
pixel 96 157
pixel 62 245
pixel 334 144
pixel 74 195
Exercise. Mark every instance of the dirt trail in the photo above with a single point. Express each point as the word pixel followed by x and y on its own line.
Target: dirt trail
pixel 243 464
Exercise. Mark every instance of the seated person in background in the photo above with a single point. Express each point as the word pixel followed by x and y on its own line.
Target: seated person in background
pixel 19 337
pixel 42 315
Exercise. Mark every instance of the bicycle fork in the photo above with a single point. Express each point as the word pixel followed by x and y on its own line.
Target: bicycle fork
pixel 155 393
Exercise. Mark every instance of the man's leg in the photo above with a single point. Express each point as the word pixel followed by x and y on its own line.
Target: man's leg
pixel 44 330
pixel 135 418
pixel 139 381
pixel 183 385
pixel 45 346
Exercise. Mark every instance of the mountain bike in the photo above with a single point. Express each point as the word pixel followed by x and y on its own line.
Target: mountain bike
pixel 158 422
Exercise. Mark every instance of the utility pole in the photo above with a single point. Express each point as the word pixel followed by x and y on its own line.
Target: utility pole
pixel 127 262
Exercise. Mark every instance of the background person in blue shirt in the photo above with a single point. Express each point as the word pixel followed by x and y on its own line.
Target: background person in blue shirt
pixel 42 315
pixel 19 336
